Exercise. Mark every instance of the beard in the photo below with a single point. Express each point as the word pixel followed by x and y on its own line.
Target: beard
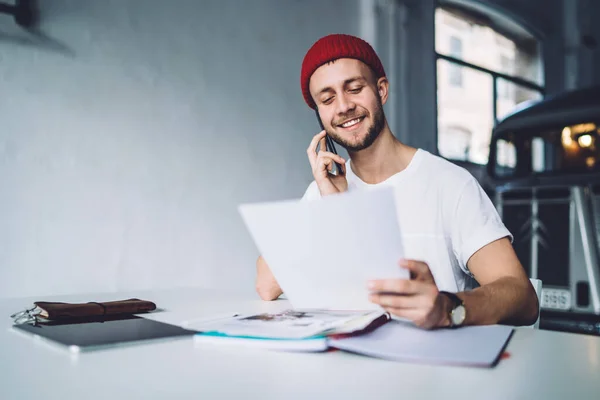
pixel 373 132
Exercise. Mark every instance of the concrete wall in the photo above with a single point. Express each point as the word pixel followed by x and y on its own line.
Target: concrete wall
pixel 131 130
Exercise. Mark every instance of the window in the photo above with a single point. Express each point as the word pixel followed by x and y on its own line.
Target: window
pixel 484 71
pixel 457 143
pixel 503 86
pixel 455 71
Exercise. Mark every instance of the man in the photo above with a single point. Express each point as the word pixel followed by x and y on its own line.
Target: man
pixel 454 239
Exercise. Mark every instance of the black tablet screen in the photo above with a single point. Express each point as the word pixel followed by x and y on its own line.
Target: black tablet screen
pixel 104 331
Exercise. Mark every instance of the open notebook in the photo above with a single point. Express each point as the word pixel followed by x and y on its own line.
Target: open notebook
pixel 370 334
pixel 475 346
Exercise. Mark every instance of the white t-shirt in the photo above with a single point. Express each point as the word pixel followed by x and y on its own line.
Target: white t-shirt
pixel 443 213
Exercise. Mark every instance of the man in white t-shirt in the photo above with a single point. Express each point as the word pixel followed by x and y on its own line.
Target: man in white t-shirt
pixel 463 268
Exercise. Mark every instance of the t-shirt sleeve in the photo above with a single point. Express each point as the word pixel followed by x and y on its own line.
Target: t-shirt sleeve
pixel 312 192
pixel 475 223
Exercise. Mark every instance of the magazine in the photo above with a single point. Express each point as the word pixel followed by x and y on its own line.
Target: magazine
pixel 290 329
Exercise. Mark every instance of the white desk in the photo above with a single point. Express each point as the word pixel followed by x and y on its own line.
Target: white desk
pixel 542 365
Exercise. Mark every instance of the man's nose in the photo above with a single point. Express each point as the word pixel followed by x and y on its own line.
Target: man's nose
pixel 345 105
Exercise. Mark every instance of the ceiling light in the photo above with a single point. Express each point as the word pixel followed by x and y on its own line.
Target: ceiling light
pixel 585 140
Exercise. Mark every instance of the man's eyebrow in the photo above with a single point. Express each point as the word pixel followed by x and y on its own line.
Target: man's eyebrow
pixel 354 79
pixel 346 82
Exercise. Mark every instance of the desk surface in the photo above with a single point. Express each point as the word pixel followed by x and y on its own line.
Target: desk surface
pixel 541 365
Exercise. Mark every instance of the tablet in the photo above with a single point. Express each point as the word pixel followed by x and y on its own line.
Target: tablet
pixel 103 332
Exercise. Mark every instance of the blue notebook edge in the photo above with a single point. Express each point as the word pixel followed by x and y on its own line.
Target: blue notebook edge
pixel 262 338
pixel 309 344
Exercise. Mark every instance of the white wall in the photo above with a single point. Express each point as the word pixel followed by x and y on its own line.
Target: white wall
pixel 128 139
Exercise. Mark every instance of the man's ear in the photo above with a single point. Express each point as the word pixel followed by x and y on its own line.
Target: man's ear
pixel 383 89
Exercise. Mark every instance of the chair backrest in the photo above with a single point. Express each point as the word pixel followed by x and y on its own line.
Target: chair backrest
pixel 537 285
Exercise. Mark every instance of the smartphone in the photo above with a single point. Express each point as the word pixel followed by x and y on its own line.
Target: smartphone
pixel 329 146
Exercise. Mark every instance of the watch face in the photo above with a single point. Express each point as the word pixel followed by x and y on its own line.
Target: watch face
pixel 458 315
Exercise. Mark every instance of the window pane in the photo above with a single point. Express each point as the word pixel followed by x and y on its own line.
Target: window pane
pixel 465 118
pixel 510 95
pixel 480 45
pixel 455 77
pixel 506 158
pixel 455 47
pixel 538 156
pixel 455 143
pixel 454 70
pixel 507 154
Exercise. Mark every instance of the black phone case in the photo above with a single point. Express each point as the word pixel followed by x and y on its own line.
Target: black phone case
pixel 329 146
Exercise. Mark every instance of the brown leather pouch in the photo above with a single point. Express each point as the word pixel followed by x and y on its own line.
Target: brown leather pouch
pixel 56 310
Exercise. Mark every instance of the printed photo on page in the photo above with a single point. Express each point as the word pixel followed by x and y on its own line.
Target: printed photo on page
pixel 294 323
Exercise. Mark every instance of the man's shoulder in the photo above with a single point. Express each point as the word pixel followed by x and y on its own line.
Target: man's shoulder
pixel 445 171
pixel 312 192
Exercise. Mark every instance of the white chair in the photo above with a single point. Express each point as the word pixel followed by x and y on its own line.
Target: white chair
pixel 537 285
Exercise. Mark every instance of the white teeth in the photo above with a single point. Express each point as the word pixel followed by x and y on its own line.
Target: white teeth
pixel 350 123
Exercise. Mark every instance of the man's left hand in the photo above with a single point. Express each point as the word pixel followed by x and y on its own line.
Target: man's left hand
pixel 417 299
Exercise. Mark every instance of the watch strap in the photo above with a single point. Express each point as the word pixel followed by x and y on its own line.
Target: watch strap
pixel 456 302
pixel 455 299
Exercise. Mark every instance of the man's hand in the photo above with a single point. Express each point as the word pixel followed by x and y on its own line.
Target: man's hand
pixel 417 299
pixel 322 163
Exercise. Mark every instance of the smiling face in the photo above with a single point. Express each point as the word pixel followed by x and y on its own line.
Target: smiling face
pixel 350 102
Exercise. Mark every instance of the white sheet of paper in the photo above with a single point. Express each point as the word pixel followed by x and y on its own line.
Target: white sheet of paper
pixel 323 252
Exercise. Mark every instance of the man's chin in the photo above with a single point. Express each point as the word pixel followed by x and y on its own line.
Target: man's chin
pixel 361 143
pixel 353 146
pixel 351 139
pixel 356 147
pixel 354 143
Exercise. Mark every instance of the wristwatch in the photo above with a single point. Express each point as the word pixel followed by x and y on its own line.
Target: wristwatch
pixel 458 313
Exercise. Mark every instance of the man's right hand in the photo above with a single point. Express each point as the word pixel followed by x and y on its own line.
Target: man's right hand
pixel 321 163
pixel 266 285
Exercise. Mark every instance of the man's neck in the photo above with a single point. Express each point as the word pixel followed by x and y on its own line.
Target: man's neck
pixel 385 157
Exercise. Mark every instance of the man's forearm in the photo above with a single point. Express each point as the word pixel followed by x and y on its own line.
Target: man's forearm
pixel 505 301
pixel 266 285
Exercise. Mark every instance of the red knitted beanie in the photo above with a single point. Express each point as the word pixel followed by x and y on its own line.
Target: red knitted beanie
pixel 331 48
